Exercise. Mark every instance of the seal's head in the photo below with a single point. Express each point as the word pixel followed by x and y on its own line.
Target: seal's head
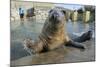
pixel 56 16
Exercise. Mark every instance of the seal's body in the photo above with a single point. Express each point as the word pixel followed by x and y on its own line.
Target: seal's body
pixel 53 34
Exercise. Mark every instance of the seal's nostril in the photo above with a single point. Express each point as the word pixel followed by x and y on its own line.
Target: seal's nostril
pixel 54 16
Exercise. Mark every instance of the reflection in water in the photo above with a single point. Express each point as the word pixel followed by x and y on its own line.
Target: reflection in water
pixel 75 27
pixel 31 29
pixel 86 26
pixel 79 27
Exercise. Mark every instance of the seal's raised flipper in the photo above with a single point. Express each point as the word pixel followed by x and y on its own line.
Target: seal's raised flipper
pixel 75 44
pixel 35 47
pixel 84 37
pixel 27 44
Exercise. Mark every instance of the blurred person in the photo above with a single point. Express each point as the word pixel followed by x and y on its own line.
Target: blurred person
pixel 21 14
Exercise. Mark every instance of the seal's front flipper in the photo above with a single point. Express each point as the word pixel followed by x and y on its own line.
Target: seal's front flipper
pixel 75 45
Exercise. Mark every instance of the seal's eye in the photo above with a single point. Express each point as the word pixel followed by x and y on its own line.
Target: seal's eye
pixel 64 12
pixel 50 11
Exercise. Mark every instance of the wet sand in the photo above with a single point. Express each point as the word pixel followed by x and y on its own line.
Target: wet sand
pixel 61 55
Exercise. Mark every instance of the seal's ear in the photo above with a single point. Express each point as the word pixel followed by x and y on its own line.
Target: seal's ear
pixel 65 14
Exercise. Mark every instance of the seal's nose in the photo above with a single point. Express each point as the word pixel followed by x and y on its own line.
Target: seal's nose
pixel 55 15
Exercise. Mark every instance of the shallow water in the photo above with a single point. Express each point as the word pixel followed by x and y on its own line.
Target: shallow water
pixel 31 29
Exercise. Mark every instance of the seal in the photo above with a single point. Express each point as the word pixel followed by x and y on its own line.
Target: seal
pixel 53 34
pixel 84 37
